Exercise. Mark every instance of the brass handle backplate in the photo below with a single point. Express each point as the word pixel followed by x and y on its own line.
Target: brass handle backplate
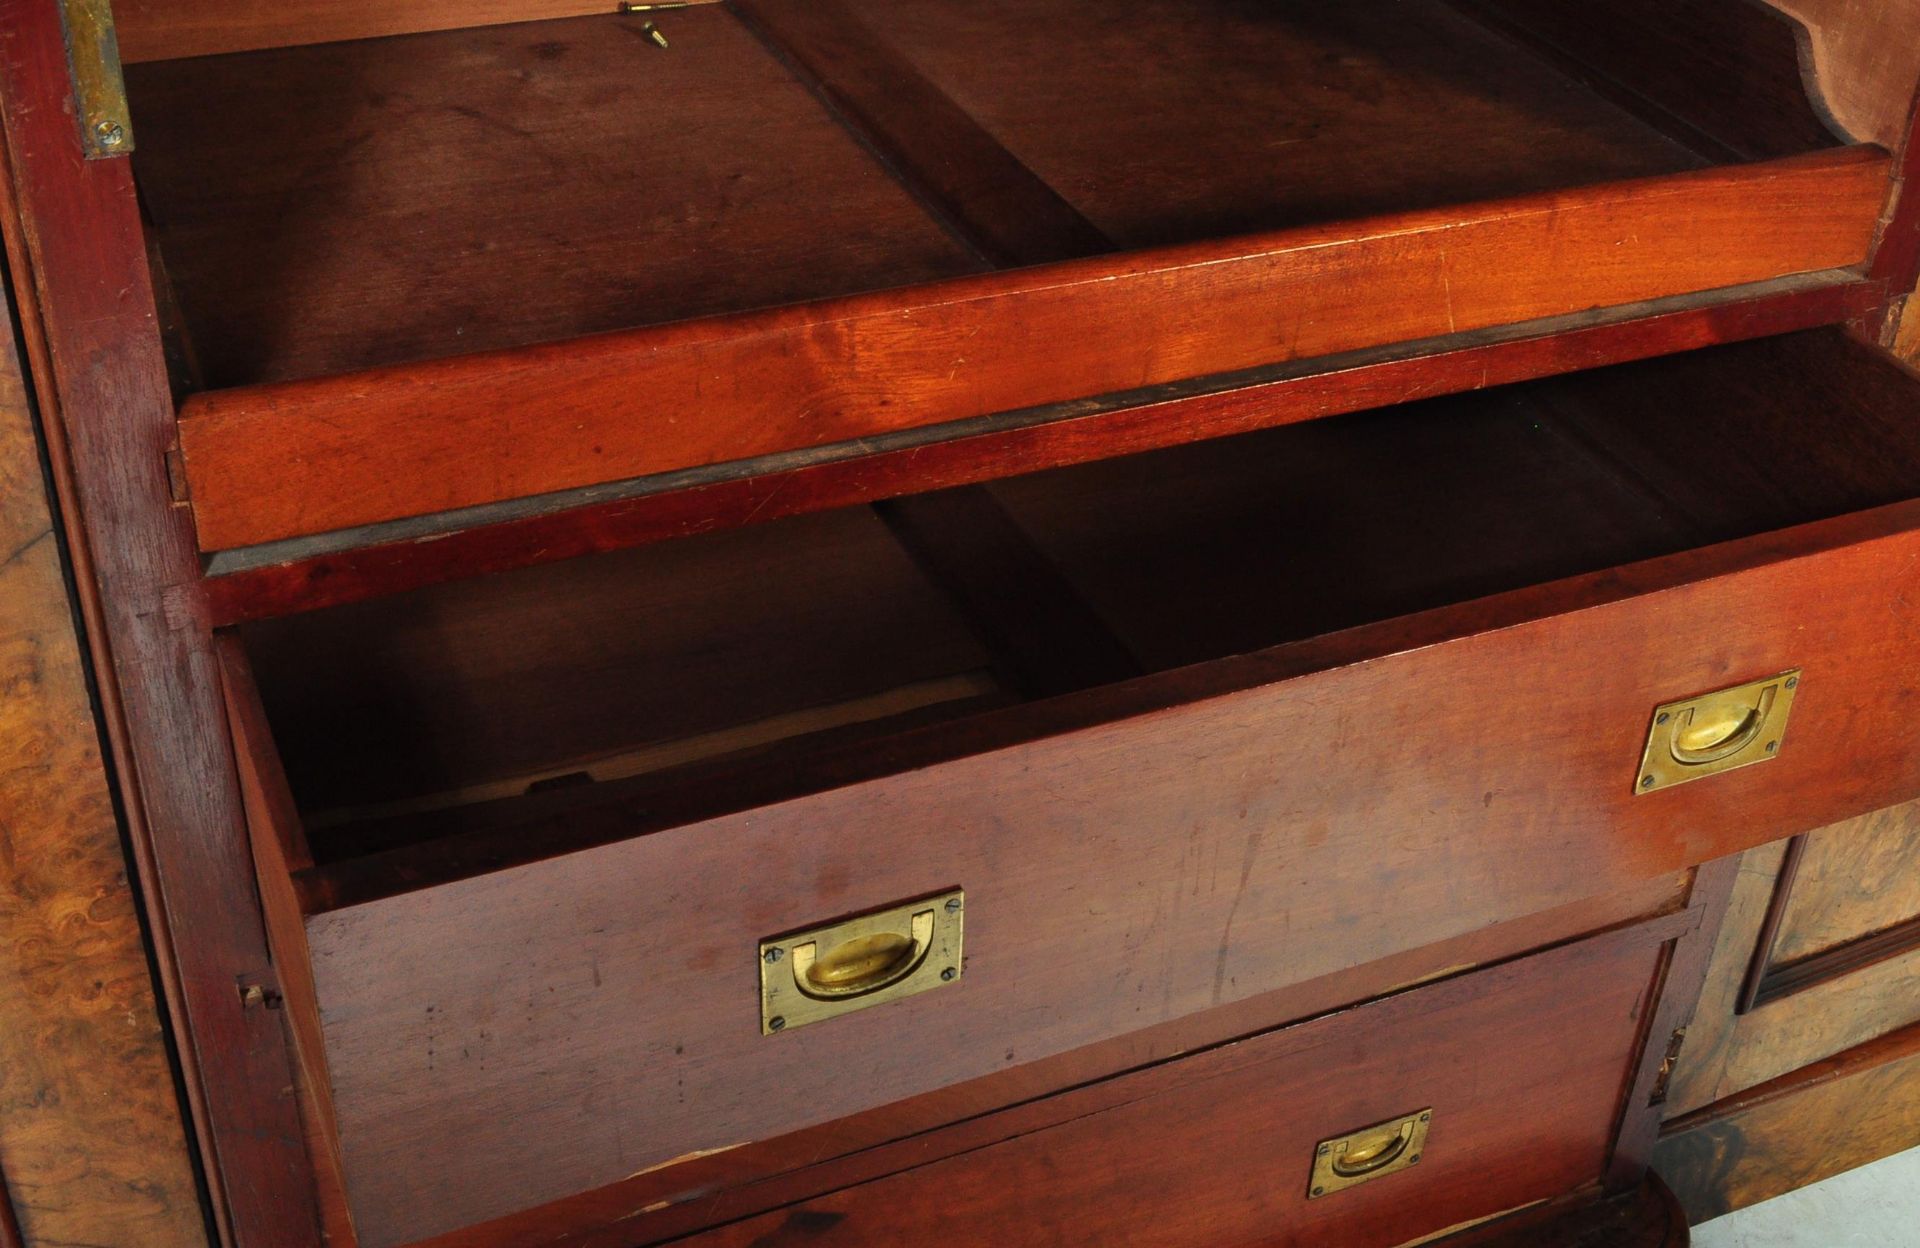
pixel 1716 732
pixel 868 960
pixel 1369 1153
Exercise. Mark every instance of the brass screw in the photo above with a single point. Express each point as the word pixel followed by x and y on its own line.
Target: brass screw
pixel 652 32
pixel 776 1023
pixel 655 7
pixel 109 134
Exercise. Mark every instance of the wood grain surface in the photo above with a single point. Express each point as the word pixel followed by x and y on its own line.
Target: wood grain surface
pixel 1854 880
pixel 1866 62
pixel 91 1128
pixel 724 1187
pixel 1728 1053
pixel 1546 813
pixel 1218 1149
pixel 1845 1111
pixel 81 272
pixel 411 440
pixel 297 576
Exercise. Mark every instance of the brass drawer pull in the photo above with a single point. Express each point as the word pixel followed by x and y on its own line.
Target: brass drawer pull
pixel 872 958
pixel 1716 732
pixel 1369 1153
pixel 862 964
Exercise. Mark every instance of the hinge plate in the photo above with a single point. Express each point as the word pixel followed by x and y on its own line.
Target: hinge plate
pixel 99 91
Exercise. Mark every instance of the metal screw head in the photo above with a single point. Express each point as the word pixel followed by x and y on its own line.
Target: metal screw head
pixel 776 1023
pixel 953 905
pixel 1793 682
pixel 1414 1160
pixel 1646 782
pixel 1772 746
pixel 1664 717
pixel 949 974
pixel 1427 1117
pixel 1324 1148
pixel 1319 1191
pixel 775 954
pixel 109 134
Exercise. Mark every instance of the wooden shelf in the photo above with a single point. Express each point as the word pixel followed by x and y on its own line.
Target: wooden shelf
pixel 426 276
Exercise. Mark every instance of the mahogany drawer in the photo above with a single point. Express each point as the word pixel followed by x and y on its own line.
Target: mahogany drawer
pixel 1495 1090
pixel 541 977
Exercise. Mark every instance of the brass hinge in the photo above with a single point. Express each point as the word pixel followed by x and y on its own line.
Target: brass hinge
pixel 99 91
pixel 1665 1077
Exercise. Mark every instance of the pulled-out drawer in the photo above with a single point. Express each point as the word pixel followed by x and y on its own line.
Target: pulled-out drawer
pixel 1077 755
pixel 1372 1127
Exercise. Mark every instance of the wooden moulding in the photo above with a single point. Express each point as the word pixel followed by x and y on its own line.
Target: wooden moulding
pixel 273 462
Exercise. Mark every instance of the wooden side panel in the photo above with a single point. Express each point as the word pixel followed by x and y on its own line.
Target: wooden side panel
pixel 91 1131
pixel 80 265
pixel 273 462
pixel 1866 62
pixel 1853 880
pixel 1832 1116
pixel 1728 1053
pixel 1223 1156
pixel 1193 842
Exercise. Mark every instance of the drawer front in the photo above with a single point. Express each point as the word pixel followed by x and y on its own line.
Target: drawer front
pixel 515 1037
pixel 1518 1072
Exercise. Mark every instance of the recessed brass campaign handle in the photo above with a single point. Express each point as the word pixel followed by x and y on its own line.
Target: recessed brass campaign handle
pixel 863 964
pixel 1716 732
pixel 1366 1154
pixel 1370 1153
pixel 883 955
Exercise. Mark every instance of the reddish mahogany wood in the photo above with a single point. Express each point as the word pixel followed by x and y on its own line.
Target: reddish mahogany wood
pixel 755 1178
pixel 272 462
pixel 278 849
pixel 1472 809
pixel 109 409
pixel 716 184
pixel 1224 1154
pixel 375 565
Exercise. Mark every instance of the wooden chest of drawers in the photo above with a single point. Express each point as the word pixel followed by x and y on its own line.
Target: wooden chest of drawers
pixel 843 623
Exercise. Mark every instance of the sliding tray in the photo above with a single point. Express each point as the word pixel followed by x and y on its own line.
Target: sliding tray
pixel 442 278
pixel 550 856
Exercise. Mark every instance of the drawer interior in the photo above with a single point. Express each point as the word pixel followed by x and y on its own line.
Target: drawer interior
pixel 493 267
pixel 537 821
pixel 333 207
pixel 751 652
